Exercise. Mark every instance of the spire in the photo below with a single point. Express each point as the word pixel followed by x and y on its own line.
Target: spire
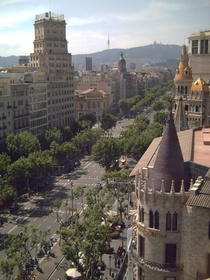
pixel 183 71
pixel 179 116
pixel 169 163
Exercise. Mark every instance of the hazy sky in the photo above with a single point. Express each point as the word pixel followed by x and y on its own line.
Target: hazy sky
pixel 129 23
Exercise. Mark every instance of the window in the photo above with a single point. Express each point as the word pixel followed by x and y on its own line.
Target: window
pixel 208 265
pixel 156 220
pixel 141 215
pixel 170 254
pixel 141 274
pixel 204 47
pixel 209 230
pixel 174 221
pixel 168 221
pixel 171 221
pixel 150 219
pixel 142 244
pixel 195 47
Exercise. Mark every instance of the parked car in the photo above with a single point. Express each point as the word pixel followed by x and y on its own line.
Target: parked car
pixel 77 163
pixel 98 184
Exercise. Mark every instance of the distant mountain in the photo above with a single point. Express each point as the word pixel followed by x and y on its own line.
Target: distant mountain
pixel 8 61
pixel 154 54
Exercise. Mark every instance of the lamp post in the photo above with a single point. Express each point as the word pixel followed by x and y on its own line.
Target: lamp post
pixel 110 264
pixel 122 239
pixel 72 197
pixel 116 193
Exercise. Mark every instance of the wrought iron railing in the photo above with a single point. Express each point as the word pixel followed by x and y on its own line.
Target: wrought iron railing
pixel 165 267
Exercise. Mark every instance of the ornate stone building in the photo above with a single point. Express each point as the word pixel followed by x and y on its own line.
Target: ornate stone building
pixel 192 99
pixel 91 101
pixel 172 190
pixel 51 56
pixel 199 54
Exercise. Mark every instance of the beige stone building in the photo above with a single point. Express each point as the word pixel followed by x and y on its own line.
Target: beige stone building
pixel 51 56
pixel 192 98
pixel 92 101
pixel 173 207
pixel 199 54
pixel 40 95
pixel 96 80
pixel 14 108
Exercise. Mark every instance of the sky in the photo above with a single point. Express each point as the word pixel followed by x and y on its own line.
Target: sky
pixel 89 23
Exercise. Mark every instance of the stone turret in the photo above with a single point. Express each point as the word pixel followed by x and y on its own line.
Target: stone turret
pixel 169 164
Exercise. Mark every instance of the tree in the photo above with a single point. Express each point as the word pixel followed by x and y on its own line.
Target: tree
pixel 124 106
pixel 18 250
pixel 108 121
pixel 21 144
pixel 86 242
pixel 107 152
pixel 52 135
pixel 7 192
pixel 158 106
pixel 89 117
pixel 160 117
pixel 42 164
pixel 118 184
pixel 5 161
pixel 19 173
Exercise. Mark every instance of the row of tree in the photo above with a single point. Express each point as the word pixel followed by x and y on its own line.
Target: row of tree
pixel 135 105
pixel 84 240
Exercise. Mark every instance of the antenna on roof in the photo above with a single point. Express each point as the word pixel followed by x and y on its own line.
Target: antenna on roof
pixel 108 42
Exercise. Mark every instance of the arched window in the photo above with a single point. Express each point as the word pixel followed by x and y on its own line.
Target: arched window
pixel 174 221
pixel 141 215
pixel 209 230
pixel 168 221
pixel 156 219
pixel 150 219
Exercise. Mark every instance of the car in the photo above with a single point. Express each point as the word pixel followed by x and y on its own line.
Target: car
pixel 77 163
pixel 98 184
pixel 3 236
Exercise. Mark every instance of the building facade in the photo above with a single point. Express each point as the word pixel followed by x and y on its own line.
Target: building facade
pixel 51 56
pixel 191 98
pixel 199 54
pixel 172 239
pixel 92 101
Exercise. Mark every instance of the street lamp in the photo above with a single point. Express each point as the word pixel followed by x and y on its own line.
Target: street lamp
pixel 110 264
pixel 122 239
pixel 116 193
pixel 72 197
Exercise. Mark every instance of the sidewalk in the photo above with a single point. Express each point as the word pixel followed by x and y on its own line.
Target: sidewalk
pixel 113 262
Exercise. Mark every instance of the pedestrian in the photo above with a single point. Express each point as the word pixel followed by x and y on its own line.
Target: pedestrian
pixel 118 263
pixel 115 262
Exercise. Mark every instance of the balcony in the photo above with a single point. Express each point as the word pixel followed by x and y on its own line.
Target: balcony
pixel 163 267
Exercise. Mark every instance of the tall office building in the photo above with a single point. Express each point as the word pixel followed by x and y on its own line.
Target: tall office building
pixel 51 56
pixel 199 54
pixel 88 64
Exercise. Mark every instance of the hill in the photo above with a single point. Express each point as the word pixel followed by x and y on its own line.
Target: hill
pixel 154 54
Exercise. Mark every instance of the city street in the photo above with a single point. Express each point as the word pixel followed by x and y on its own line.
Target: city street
pixel 37 211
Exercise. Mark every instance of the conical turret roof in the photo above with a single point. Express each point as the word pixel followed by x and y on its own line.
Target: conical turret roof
pixel 169 164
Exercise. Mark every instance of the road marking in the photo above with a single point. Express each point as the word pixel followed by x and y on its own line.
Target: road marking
pixel 87 165
pixel 12 229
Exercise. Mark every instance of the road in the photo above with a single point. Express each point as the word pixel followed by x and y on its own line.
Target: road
pixel 37 211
